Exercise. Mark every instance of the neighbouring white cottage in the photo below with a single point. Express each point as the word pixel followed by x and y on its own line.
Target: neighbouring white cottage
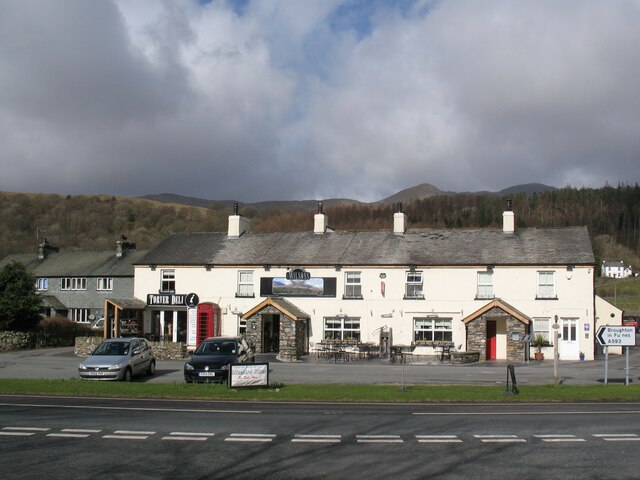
pixel 420 290
pixel 615 270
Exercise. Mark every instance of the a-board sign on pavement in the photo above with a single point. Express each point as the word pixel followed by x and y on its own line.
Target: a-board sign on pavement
pixel 609 335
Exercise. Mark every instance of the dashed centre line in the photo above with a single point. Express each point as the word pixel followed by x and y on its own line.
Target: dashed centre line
pixel 500 439
pixel 438 439
pixel 306 438
pixel 379 439
pixel 250 437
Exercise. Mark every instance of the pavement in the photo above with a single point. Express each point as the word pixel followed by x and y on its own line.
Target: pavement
pixel 61 363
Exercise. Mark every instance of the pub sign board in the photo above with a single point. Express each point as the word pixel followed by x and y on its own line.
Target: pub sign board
pixel 166 300
pixel 249 375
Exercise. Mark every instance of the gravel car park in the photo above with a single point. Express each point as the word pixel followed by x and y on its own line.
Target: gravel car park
pixel 119 359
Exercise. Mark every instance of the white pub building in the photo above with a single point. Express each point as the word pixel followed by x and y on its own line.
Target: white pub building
pixel 422 290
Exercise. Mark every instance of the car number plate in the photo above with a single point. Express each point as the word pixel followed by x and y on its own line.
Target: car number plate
pixel 207 374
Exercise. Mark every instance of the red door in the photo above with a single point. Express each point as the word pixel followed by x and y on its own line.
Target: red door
pixel 208 321
pixel 491 340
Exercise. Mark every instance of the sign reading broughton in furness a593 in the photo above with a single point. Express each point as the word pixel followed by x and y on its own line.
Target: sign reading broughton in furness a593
pixel 610 335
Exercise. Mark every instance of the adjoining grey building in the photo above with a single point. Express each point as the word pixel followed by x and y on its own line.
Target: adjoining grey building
pixel 78 284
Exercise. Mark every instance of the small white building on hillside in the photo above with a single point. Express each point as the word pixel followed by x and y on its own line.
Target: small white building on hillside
pixel 615 270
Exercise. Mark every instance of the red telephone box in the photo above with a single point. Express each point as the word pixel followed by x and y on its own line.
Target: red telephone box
pixel 208 322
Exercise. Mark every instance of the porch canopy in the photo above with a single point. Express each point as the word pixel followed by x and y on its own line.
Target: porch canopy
pixel 497 331
pixel 116 322
pixel 292 329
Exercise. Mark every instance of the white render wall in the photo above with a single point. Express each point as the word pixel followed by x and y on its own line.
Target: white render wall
pixel 449 292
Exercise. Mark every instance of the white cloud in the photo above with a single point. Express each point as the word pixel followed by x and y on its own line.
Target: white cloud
pixel 317 99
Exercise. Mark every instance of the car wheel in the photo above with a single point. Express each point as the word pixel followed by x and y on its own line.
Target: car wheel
pixel 127 375
pixel 152 368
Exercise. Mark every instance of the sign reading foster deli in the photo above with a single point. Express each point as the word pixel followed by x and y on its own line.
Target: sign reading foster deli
pixel 165 300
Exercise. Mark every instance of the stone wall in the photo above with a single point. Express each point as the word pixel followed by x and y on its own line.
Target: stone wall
pixel 10 341
pixel 162 350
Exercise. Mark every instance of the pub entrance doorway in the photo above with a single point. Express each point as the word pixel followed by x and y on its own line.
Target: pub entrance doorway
pixel 271 333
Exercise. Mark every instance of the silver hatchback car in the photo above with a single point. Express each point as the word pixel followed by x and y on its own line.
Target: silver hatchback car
pixel 119 359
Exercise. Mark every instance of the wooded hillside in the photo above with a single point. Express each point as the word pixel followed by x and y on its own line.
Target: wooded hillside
pixel 96 222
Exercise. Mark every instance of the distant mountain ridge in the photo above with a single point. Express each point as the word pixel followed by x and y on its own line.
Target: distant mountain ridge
pixel 418 192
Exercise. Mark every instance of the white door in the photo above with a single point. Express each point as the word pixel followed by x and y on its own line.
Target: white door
pixel 569 339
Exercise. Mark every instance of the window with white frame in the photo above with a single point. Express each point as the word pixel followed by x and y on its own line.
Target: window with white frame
pixel 485 285
pixel 242 326
pixel 42 284
pixel 342 328
pixel 546 285
pixel 105 284
pixel 168 281
pixel 245 283
pixel 352 285
pixel 73 283
pixel 80 315
pixel 541 327
pixel 433 329
pixel 414 285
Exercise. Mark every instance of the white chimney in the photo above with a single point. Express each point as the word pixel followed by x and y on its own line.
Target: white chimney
pixel 508 219
pixel 238 224
pixel 320 221
pixel 399 220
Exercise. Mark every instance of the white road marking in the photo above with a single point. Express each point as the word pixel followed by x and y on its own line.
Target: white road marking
pixel 127 437
pixel 80 430
pixel 132 432
pixel 133 409
pixel 500 439
pixel 379 439
pixel 305 438
pixel 68 435
pixel 17 434
pixel 250 437
pixel 618 437
pixel 27 429
pixel 557 438
pixel 438 439
pixel 188 436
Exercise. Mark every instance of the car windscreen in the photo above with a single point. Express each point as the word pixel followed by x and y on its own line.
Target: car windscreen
pixel 222 347
pixel 112 348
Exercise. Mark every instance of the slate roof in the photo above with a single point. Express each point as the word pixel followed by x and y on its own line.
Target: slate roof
pixel 552 246
pixel 78 263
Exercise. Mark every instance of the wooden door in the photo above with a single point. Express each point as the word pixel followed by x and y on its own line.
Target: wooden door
pixel 491 339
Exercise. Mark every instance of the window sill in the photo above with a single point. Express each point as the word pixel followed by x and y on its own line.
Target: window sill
pixel 417 297
pixel 238 295
pixel 492 297
pixel 546 298
pixel 344 297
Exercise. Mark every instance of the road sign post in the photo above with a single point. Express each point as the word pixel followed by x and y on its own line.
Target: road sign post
pixel 616 336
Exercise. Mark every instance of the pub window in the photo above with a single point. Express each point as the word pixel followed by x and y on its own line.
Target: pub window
pixel 80 315
pixel 168 283
pixel 414 285
pixel 541 327
pixel 73 283
pixel 105 284
pixel 353 285
pixel 546 285
pixel 485 285
pixel 342 328
pixel 245 283
pixel 42 284
pixel 433 329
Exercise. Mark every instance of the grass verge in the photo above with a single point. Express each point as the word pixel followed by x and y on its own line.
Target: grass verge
pixel 324 393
